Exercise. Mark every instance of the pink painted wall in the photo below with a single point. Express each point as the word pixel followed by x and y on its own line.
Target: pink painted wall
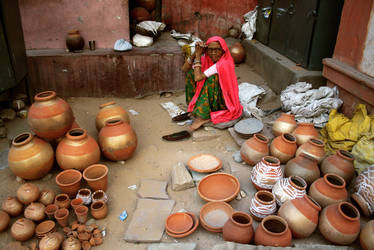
pixel 46 22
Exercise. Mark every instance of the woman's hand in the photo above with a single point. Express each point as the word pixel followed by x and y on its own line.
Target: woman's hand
pixel 199 49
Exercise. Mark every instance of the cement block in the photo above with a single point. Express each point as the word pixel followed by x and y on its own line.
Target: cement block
pixel 173 246
pixel 153 189
pixel 180 178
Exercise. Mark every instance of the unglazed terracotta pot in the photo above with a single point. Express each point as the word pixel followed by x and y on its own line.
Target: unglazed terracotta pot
pixel 111 110
pixel 76 203
pixel 50 117
pixel 238 228
pixel 273 231
pixel 266 173
pixel 314 148
pixel 30 157
pixel 35 211
pixel 51 241
pixel 363 196
pixel 301 215
pixel 4 220
pixel 367 236
pixel 81 212
pixel 71 243
pixel 96 177
pixel 86 195
pixel 284 124
pixel 340 163
pixel 62 201
pixel 304 166
pixel 23 229
pixel 262 204
pixel 50 211
pixel 99 210
pixel 289 188
pixel 117 140
pixel 28 193
pixel 305 131
pixel 237 52
pixel 74 41
pixel 283 147
pixel 77 150
pixel 254 149
pixel 62 217
pixel 339 223
pixel 47 197
pixel 69 181
pixel 12 206
pixel 328 190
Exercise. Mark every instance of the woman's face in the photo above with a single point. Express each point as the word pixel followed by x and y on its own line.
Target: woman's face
pixel 214 51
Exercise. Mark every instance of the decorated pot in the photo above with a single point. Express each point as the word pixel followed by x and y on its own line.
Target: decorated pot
pixel 283 147
pixel 305 131
pixel 71 243
pixel 86 195
pixel 363 196
pixel 254 149
pixel 238 228
pixel 51 241
pixel 74 41
pixel 304 166
pixel 237 52
pixel 367 236
pixel 273 231
pixel 47 196
pixel 340 163
pixel 30 157
pixel 262 204
pixel 284 124
pixel 266 173
pixel 314 148
pixel 288 189
pixel 110 110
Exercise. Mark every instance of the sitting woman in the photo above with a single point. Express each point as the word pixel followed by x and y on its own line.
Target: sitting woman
pixel 211 84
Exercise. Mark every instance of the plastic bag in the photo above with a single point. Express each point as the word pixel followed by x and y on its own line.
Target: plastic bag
pixel 249 27
pixel 142 41
pixel 248 96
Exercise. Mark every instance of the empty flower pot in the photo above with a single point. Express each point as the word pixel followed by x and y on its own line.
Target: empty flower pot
pixel 50 211
pixel 96 176
pixel 62 201
pixel 62 217
pixel 69 181
pixel 81 213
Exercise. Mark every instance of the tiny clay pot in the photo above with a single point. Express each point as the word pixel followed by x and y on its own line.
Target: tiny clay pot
pixel 12 206
pixel 62 201
pixel 4 220
pixel 99 195
pixel 62 217
pixel 262 204
pixel 367 236
pixel 304 166
pixel 340 163
pixel 273 231
pixel 86 195
pixel 96 177
pixel 283 147
pixel 266 173
pixel 76 203
pixel 304 132
pixel 81 212
pixel 254 149
pixel 99 210
pixel 314 148
pixel 284 124
pixel 238 228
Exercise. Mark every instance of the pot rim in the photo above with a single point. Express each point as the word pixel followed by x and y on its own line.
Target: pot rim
pixel 64 210
pixel 316 142
pixel 113 122
pixel 336 177
pixel 292 178
pixel 292 139
pixel 345 155
pixel 96 202
pixel 107 104
pixel 78 173
pixel 76 200
pixel 82 135
pixel 62 195
pixel 274 217
pixel 81 207
pixel 50 224
pixel 84 189
pixel 47 208
pixel 261 138
pixel 95 166
pixel 312 202
pixel 242 214
pixel 306 124
pixel 266 193
pixel 45 96
pixel 266 159
pixel 27 138
pixel 344 203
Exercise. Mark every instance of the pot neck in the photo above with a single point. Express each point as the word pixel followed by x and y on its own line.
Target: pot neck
pixel 76 134
pixel 288 138
pixel 317 143
pixel 22 139
pixel 277 220
pixel 308 157
pixel 345 155
pixel 113 122
pixel 261 138
pixel 348 211
pixel 334 181
pixel 45 96
pixel 312 202
pixel 269 197
pixel 271 161
pixel 297 182
pixel 241 219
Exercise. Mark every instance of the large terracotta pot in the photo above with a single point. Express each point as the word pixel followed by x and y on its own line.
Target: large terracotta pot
pixel 273 231
pixel 328 190
pixel 283 147
pixel 74 41
pixel 4 220
pixel 254 149
pixel 96 176
pixel 340 223
pixel 301 215
pixel 305 131
pixel 23 229
pixel 237 52
pixel 289 188
pixel 363 196
pixel 77 150
pixel 262 204
pixel 50 117
pixel 266 173
pixel 284 124
pixel 117 140
pixel 340 163
pixel 238 228
pixel 367 236
pixel 69 181
pixel 314 148
pixel 304 166
pixel 30 157
pixel 110 110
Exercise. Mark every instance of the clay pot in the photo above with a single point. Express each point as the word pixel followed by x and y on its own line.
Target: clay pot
pixel 284 124
pixel 76 203
pixel 50 117
pixel 254 149
pixel 12 206
pixel 193 229
pixel 214 215
pixel 96 176
pixel 4 220
pixel 273 231
pixel 23 229
pixel 47 197
pixel 71 243
pixel 69 181
pixel 289 188
pixel 363 197
pixel 62 201
pixel 28 193
pixel 314 148
pixel 178 223
pixel 44 228
pixel 117 140
pixel 266 173
pixel 77 150
pixel 328 190
pixel 339 223
pixel 341 163
pixel 74 41
pixel 99 210
pixel 367 236
pixel 50 211
pixel 304 132
pixel 99 195
pixel 283 147
pixel 35 211
pixel 62 217
pixel 81 213
pixel 233 32
pixel 237 52
pixel 51 241
pixel 30 157
pixel 304 166
pixel 262 204
pixel 238 228
pixel 86 195
pixel 229 187
pixel 108 111
pixel 140 14
pixel 148 4
pixel 301 215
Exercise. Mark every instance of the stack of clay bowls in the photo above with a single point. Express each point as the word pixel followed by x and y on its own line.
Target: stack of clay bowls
pixel 181 224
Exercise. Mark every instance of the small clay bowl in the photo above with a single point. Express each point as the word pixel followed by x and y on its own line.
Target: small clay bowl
pixel 204 163
pixel 218 187
pixel 193 229
pixel 179 223
pixel 214 215
pixel 45 227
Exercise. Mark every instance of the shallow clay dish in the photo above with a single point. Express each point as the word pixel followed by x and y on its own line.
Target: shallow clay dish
pixel 247 127
pixel 214 215
pixel 45 227
pixel 193 229
pixel 204 163
pixel 218 187
pixel 179 223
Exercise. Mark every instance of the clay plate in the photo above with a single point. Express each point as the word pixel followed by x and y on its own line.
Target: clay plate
pixel 214 215
pixel 204 163
pixel 193 229
pixel 218 187
pixel 179 223
pixel 247 127
pixel 45 227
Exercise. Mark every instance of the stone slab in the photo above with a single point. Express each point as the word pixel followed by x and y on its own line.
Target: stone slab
pixel 153 189
pixel 237 246
pixel 148 220
pixel 173 246
pixel 180 178
pixel 238 140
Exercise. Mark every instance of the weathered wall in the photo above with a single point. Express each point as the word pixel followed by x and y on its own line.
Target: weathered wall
pixel 367 63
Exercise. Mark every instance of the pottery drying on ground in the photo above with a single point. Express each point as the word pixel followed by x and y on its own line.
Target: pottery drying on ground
pixel 140 14
pixel 42 229
pixel 81 212
pixel 86 195
pixel 262 204
pixel 50 117
pixel 35 211
pixel 47 196
pixel 117 140
pixel 238 228
pixel 204 163
pixel 304 166
pixel 50 211
pixel 74 41
pixel 193 229
pixel 23 229
pixel 4 220
pixel 218 187
pixel 108 111
pixel 340 163
pixel 178 223
pixel 99 210
pixel 305 131
pixel 254 149
pixel 266 173
pixel 62 201
pixel 62 217
pixel 288 189
pixel 314 148
pixel 339 223
pixel 367 236
pixel 71 243
pixel 30 157
pixel 96 177
pixel 69 181
pixel 328 190
pixel 237 52
pixel 99 195
pixel 273 231
pixel 283 147
pixel 28 193
pixel 12 206
pixel 363 196
pixel 284 124
pixel 214 215
pixel 51 241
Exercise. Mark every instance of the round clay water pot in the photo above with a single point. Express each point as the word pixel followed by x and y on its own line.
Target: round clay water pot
pixel 4 220
pixel 339 223
pixel 96 177
pixel 62 201
pixel 69 181
pixel 81 212
pixel 71 243
pixel 85 194
pixel 108 111
pixel 179 223
pixel 314 148
pixel 47 197
pixel 30 157
pixel 254 149
pixel 99 210
pixel 304 132
pixel 214 215
pixel 77 150
pixel 50 117
pixel 76 203
pixel 12 206
pixel 28 193
pixel 35 211
pixel 140 14
pixel 289 188
pixel 262 204
pixel 228 184
pixel 304 166
pixel 238 228
pixel 367 236
pixel 283 147
pixel 301 215
pixel 266 173
pixel 284 124
pixel 273 231
pixel 62 216
pixel 23 229
pixel 117 140
pixel 148 4
pixel 363 197
pixel 328 190
pixel 340 163
pixel 50 211
pixel 74 41
pixel 237 52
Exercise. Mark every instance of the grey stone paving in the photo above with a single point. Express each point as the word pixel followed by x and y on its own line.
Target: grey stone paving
pixel 153 189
